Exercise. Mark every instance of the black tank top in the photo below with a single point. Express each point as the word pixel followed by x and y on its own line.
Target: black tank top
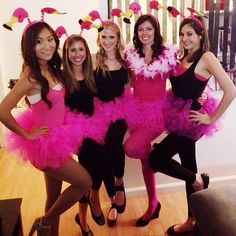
pixel 81 100
pixel 188 86
pixel 110 85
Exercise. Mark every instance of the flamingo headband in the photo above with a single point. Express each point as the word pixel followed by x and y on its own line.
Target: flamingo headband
pixel 89 21
pixel 20 14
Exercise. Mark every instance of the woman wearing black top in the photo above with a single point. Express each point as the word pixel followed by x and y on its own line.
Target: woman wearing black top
pixel 185 118
pixel 78 74
pixel 111 78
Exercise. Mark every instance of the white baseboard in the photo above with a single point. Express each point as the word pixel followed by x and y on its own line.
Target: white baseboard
pixel 179 186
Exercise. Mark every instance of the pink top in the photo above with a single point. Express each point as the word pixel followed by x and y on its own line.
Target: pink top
pixel 43 115
pixel 179 69
pixel 148 90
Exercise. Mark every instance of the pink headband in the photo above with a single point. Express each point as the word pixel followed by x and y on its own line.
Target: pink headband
pixel 194 18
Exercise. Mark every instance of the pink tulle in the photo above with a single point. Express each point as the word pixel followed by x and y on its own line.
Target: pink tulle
pixel 176 117
pixel 144 114
pixel 53 150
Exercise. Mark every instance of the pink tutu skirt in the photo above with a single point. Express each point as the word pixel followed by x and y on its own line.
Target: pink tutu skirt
pixel 147 114
pixel 52 150
pixel 94 127
pixel 176 117
pixel 110 111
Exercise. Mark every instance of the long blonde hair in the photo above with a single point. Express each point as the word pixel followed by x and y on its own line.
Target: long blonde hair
pixel 101 54
pixel 69 76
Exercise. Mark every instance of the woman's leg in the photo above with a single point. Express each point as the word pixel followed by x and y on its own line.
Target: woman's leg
pixel 114 144
pixel 89 157
pixel 138 145
pixel 73 173
pixel 53 190
pixel 161 157
pixel 188 160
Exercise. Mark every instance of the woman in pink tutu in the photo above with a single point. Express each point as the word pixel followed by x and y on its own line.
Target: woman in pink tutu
pixel 100 99
pixel 149 62
pixel 111 78
pixel 185 118
pixel 93 154
pixel 40 134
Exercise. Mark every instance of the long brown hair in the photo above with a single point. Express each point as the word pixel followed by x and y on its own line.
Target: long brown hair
pixel 69 76
pixel 28 44
pixel 200 30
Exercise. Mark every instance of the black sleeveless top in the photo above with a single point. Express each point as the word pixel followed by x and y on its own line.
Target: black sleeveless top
pixel 188 86
pixel 81 100
pixel 110 85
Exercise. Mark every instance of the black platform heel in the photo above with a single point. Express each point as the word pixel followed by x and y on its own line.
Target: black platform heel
pixel 121 208
pixel 141 222
pixel 100 220
pixel 113 221
pixel 84 233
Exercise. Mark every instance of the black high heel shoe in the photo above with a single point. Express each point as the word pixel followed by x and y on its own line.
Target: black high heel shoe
pixel 141 222
pixel 100 220
pixel 171 231
pixel 84 233
pixel 112 222
pixel 121 208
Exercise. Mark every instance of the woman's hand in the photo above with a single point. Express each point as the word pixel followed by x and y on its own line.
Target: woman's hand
pixel 199 118
pixel 35 132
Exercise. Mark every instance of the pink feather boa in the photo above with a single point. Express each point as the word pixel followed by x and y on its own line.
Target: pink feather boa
pixel 158 68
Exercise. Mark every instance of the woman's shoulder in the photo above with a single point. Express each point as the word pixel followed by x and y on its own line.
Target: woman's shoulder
pixel 208 58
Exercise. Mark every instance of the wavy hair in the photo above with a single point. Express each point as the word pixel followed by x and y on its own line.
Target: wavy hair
pixel 28 44
pixel 101 54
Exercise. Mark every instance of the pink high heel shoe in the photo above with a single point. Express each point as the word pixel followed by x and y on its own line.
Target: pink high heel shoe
pixel 42 230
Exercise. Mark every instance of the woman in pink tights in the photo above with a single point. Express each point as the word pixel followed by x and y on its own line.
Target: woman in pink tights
pixel 149 62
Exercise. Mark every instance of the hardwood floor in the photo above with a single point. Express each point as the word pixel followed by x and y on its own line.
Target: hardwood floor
pixel 20 180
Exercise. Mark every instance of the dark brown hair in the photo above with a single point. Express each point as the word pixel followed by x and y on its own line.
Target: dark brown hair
pixel 157 46
pixel 201 31
pixel 28 44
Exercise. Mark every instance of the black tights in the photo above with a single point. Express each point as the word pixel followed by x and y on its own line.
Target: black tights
pixel 161 159
pixel 95 158
pixel 105 162
pixel 114 144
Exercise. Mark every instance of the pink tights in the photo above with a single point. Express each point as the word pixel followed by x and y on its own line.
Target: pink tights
pixel 138 146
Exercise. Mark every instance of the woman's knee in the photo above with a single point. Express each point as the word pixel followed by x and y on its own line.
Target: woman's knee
pixel 135 150
pixel 157 158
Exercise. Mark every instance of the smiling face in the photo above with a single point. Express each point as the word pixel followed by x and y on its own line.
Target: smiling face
pixel 189 38
pixel 146 33
pixel 108 39
pixel 77 53
pixel 45 46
